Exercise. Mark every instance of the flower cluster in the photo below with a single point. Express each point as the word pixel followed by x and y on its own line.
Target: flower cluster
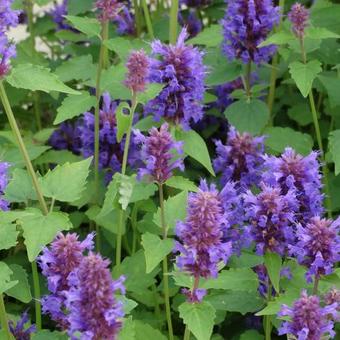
pixel 299 17
pixel 317 246
pixel 19 331
pixel 82 291
pixel 308 319
pixel 180 69
pixel 108 9
pixel 58 13
pixel 246 24
pixel 3 184
pixel 157 154
pixel 302 174
pixel 8 18
pixel 271 218
pixel 241 159
pixel 201 244
pixel 125 21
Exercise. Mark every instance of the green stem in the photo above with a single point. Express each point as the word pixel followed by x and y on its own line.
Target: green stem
pixel 248 80
pixel 268 326
pixel 165 265
pixel 36 286
pixel 316 284
pixel 148 19
pixel 138 18
pixel 3 319
pixel 124 165
pixel 173 22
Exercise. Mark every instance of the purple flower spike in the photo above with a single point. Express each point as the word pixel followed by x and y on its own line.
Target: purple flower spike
pixel 318 246
pixel 201 244
pixel 94 312
pixel 299 17
pixel 309 321
pixel 157 154
pixel 271 216
pixel 108 9
pixel 65 254
pixel 241 159
pixel 192 23
pixel 125 22
pixel 138 71
pixel 4 205
pixel 246 24
pixel 180 69
pixel 302 174
pixel 19 331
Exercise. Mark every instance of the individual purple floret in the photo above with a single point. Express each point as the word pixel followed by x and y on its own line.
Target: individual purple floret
pixel 241 159
pixel 4 205
pixel 247 23
pixel 108 9
pixel 110 151
pixel 201 244
pixel 299 17
pixel 65 254
pixel 318 246
pixel 138 66
pixel 179 68
pixel 271 216
pixel 157 153
pixel 58 13
pixel 333 297
pixel 66 137
pixel 94 311
pixel 8 18
pixel 19 331
pixel 293 171
pixel 125 22
pixel 192 23
pixel 309 321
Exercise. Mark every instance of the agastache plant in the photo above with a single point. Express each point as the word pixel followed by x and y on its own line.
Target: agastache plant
pixel 299 17
pixel 108 9
pixel 4 179
pixel 179 68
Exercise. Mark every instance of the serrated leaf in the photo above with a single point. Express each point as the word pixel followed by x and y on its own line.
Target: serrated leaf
pixel 37 78
pixel 66 182
pixel 123 120
pixel 57 157
pixel 181 183
pixel 304 74
pixel 128 331
pixel 110 196
pixel 210 37
pixel 5 278
pixel 273 263
pixel 278 38
pixel 21 291
pixel 155 250
pixel 40 230
pixel 73 106
pixel 334 147
pixel 248 115
pixel 279 138
pixel 8 235
pixel 142 191
pixel 89 26
pixel 175 210
pixel 332 85
pixel 199 317
pixel 125 190
pixel 195 147
pixel 320 33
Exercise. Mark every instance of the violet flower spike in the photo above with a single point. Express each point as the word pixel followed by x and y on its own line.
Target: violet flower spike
pixel 4 179
pixel 157 154
pixel 19 331
pixel 309 321
pixel 179 68
pixel 299 17
pixel 94 311
pixel 108 9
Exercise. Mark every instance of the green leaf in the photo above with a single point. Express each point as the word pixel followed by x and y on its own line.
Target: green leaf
pixel 142 191
pixel 89 26
pixel 278 38
pixel 320 33
pixel 304 74
pixel 145 331
pixel 195 147
pixel 181 183
pixel 5 278
pixel 125 190
pixel 46 334
pixel 251 335
pixel 273 263
pixel 155 250
pixel 279 138
pixel 199 317
pixel 128 332
pixel 72 106
pixel 248 115
pixel 332 86
pixel 8 235
pixel 22 290
pixel 40 230
pixel 37 78
pixel 334 147
pixel 210 37
pixel 175 210
pixel 75 7
pixel 146 124
pixel 110 196
pixel 123 120
pixel 20 188
pixel 57 157
pixel 245 260
pixel 151 92
pixel 66 182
